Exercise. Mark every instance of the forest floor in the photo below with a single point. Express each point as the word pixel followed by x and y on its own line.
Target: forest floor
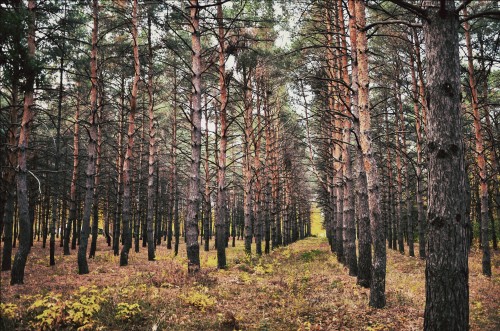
pixel 299 287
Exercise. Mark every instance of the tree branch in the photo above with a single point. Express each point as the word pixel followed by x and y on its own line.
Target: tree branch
pixel 495 14
pixel 369 26
pixel 414 9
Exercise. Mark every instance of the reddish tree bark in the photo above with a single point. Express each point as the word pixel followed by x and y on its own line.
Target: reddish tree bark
pixel 17 272
pixel 193 196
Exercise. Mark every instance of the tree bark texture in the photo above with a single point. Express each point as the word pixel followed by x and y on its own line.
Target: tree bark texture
pixel 193 196
pixel 446 286
pixel 377 287
pixel 17 272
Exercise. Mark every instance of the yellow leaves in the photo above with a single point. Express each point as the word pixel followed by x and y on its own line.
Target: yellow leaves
pixel 54 312
pixel 126 311
pixel 8 310
pixel 199 298
pixel 263 269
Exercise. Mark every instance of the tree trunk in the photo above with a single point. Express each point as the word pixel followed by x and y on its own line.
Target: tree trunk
pixel 119 170
pixel 151 150
pixel 221 209
pixel 17 273
pixel 361 193
pixel 127 163
pixel 206 197
pixel 10 172
pixel 257 166
pixel 348 205
pixel 247 167
pixel 421 121
pixel 83 267
pixel 399 127
pixel 57 141
pixel 481 159
pixel 74 177
pixel 377 287
pixel 192 217
pixel 97 180
pixel 447 291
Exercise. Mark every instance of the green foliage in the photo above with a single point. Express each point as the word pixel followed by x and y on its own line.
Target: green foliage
pixel 199 298
pixel 53 312
pixel 262 269
pixel 127 311
pixel 310 255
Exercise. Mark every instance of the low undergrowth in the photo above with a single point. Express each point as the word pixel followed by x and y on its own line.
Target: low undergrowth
pixel 299 287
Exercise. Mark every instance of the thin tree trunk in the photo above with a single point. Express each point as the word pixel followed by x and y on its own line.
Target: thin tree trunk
pixel 127 163
pixel 399 127
pixel 247 168
pixel 221 209
pixel 206 197
pixel 55 182
pixel 481 159
pixel 258 187
pixel 119 170
pixel 74 177
pixel 421 121
pixel 151 150
pixel 83 267
pixel 97 180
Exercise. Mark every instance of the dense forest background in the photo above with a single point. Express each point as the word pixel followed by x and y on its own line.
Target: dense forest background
pixel 225 131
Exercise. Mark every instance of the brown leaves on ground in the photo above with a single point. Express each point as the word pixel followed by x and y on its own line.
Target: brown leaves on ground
pixel 300 287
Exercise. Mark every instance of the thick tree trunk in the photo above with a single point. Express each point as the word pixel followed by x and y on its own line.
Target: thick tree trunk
pixel 447 290
pixel 127 163
pixel 193 196
pixel 349 228
pixel 361 193
pixel 377 287
pixel 92 149
pixel 17 273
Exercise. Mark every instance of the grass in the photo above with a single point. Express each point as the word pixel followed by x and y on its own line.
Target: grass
pixel 299 287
